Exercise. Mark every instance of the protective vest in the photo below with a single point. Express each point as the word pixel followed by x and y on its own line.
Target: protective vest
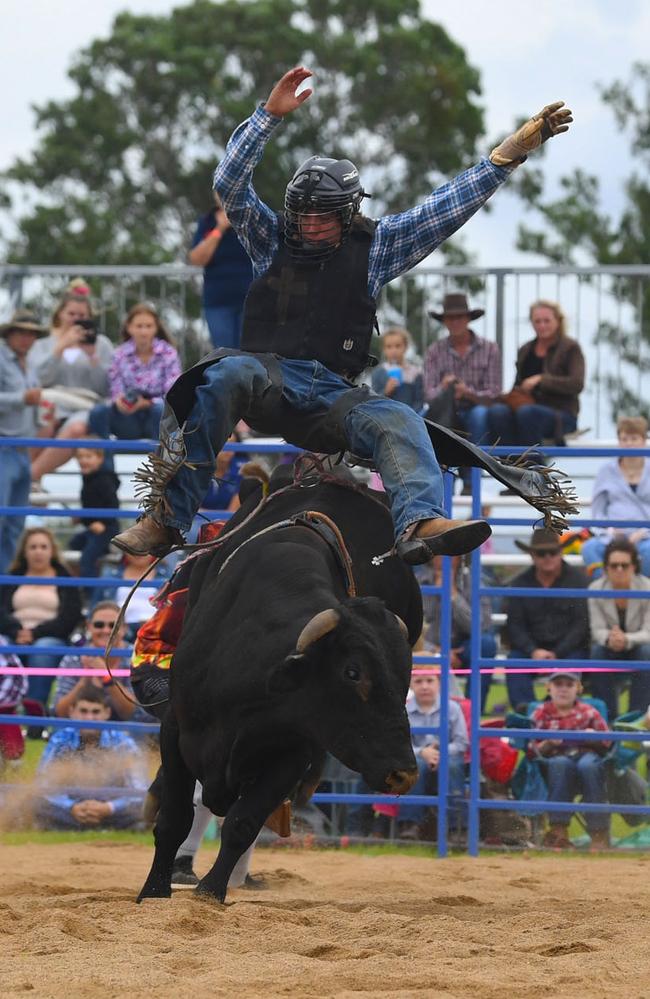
pixel 319 312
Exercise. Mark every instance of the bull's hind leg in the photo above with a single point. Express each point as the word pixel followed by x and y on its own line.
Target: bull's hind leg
pixel 175 815
pixel 248 814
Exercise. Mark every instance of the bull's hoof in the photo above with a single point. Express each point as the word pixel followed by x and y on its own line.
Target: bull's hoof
pixel 206 890
pixel 154 891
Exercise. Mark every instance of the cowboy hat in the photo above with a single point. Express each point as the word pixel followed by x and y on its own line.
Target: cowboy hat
pixel 542 540
pixel 24 320
pixel 456 304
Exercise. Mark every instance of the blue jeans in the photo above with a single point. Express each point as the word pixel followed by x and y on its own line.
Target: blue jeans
pixel 224 324
pixel 568 776
pixel 92 547
pixel 520 685
pixel 474 421
pixel 105 420
pixel 39 686
pixel 528 425
pixel 15 480
pixel 427 783
pixel 594 548
pixel 607 685
pixel 488 651
pixel 389 433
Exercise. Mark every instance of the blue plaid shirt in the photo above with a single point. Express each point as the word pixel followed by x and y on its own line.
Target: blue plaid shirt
pixel 400 241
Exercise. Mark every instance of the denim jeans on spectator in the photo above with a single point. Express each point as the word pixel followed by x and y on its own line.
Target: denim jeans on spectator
pixel 488 651
pixel 427 783
pixel 39 686
pixel 224 324
pixel 594 548
pixel 389 433
pixel 520 685
pixel 474 421
pixel 15 479
pixel 528 425
pixel 567 776
pixel 92 547
pixel 105 420
pixel 607 686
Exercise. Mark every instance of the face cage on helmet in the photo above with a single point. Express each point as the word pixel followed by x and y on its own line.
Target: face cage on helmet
pixel 295 206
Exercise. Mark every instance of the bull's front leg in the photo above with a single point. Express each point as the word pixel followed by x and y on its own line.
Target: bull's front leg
pixel 175 815
pixel 248 814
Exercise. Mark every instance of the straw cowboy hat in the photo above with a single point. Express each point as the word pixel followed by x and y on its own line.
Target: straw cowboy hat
pixel 542 540
pixel 24 320
pixel 456 304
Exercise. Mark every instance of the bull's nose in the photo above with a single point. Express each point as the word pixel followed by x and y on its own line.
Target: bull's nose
pixel 401 781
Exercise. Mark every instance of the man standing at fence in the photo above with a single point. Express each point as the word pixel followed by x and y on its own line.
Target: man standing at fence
pixel 308 322
pixel 19 398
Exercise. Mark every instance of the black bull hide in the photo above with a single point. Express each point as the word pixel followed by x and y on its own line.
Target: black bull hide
pixel 277 665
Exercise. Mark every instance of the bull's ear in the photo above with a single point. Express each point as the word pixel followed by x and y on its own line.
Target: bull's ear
pixel 287 675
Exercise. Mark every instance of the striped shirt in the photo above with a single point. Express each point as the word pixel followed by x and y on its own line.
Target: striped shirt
pixel 479 369
pixel 400 241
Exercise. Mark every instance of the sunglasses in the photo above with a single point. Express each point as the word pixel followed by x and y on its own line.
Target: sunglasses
pixel 619 565
pixel 102 624
pixel 547 552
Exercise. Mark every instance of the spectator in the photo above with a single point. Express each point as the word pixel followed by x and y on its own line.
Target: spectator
pixel 39 614
pixel 98 490
pixel 395 376
pixel 73 357
pixel 118 692
pixel 223 492
pixel 571 767
pixel 461 621
pixel 622 492
pixel 549 628
pixel 423 710
pixel 140 608
pixel 549 379
pixel 620 628
pixel 227 273
pixel 144 368
pixel 19 397
pixel 91 764
pixel 13 687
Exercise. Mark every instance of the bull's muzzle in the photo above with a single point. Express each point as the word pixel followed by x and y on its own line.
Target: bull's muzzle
pixel 401 781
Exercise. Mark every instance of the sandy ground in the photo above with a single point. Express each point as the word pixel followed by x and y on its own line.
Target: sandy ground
pixel 330 924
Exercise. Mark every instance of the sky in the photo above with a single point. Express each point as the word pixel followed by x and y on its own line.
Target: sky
pixel 528 54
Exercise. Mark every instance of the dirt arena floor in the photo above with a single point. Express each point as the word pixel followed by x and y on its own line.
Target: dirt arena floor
pixel 331 924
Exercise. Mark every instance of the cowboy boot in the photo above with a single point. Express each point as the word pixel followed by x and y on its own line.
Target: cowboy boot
pixel 439 536
pixel 148 536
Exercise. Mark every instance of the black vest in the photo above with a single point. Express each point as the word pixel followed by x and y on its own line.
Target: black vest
pixel 319 312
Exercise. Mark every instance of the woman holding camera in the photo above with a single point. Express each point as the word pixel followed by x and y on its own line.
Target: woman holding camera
pixel 144 367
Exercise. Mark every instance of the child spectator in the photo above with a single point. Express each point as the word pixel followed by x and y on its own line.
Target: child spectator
pixel 395 376
pixel 98 490
pixel 89 765
pixel 119 693
pixel 571 767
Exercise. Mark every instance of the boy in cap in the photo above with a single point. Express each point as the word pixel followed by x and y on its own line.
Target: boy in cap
pixel 572 767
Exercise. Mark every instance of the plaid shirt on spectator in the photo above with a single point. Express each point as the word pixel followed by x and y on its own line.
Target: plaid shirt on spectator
pixel 479 369
pixel 399 242
pixel 582 716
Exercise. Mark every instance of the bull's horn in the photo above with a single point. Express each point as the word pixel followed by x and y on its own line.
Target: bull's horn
pixel 319 625
pixel 402 627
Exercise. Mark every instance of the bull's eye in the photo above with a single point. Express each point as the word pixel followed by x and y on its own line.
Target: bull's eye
pixel 352 673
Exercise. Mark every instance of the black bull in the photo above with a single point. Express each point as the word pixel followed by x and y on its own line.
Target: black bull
pixel 277 665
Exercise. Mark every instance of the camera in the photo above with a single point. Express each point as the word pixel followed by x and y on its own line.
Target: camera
pixel 90 330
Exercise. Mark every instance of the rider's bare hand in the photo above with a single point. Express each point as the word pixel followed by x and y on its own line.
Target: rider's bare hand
pixel 283 99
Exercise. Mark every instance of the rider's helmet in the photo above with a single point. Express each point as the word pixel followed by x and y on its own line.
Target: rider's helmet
pixel 321 187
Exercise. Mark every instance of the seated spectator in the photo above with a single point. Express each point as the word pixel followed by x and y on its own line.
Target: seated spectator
pixel 89 765
pixel 119 693
pixel 19 400
pixel 142 370
pixel 620 628
pixel 395 376
pixel 544 629
pixel 140 608
pixel 423 710
pixel 39 614
pixel 98 491
pixel 543 403
pixel 571 767
pixel 73 360
pixel 13 688
pixel 461 620
pixel 621 492
pixel 227 274
pixel 462 374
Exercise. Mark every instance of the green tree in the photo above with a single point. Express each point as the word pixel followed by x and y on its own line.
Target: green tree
pixel 123 167
pixel 577 229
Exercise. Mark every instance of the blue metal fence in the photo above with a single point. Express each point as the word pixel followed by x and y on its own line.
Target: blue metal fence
pixel 474 802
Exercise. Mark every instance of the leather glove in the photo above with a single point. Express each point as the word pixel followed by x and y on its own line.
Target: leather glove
pixel 551 120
